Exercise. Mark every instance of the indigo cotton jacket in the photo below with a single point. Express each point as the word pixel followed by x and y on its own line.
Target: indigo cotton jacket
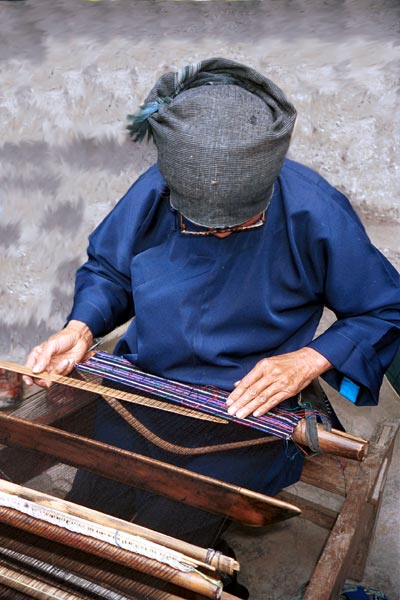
pixel 207 309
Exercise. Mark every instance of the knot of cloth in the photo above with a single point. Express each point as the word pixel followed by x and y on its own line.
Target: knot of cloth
pixel 212 71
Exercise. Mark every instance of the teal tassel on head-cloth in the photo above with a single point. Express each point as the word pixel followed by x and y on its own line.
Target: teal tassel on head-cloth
pixel 139 127
pixel 185 78
pixel 208 72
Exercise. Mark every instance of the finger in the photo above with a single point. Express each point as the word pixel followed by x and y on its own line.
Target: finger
pixel 30 362
pixel 33 356
pixel 43 383
pixel 248 409
pixel 259 392
pixel 70 365
pixel 272 402
pixel 262 405
pixel 248 382
pixel 43 360
pixel 63 367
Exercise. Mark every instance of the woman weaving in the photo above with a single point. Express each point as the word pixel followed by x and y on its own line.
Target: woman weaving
pixel 226 254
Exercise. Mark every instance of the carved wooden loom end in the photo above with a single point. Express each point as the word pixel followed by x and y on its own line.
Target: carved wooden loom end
pixel 351 530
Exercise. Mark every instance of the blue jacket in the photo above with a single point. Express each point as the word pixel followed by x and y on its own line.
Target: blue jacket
pixel 207 309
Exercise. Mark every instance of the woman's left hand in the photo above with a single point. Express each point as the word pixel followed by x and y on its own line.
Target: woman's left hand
pixel 273 380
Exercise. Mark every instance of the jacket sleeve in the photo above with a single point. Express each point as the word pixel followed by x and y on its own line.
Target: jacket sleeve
pixel 362 288
pixel 103 291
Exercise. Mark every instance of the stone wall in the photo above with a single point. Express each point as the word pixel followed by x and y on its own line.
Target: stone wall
pixel 71 70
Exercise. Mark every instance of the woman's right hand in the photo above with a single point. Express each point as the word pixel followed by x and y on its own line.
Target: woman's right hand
pixel 59 353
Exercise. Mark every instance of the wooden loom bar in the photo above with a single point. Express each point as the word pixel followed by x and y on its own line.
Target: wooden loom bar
pixel 224 564
pixel 139 471
pixel 31 587
pixel 311 511
pixel 27 548
pixel 334 564
pixel 335 442
pixel 190 580
pixel 322 471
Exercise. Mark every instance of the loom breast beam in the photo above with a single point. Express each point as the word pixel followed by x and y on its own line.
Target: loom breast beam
pixel 335 442
pixel 141 472
pixel 278 422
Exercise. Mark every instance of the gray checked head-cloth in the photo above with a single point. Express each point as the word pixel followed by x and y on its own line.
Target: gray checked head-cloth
pixel 222 131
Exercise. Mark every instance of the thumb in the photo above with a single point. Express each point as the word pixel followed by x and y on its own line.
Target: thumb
pixel 49 349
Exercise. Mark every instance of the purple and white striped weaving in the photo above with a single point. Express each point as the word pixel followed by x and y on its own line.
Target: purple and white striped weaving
pixel 279 422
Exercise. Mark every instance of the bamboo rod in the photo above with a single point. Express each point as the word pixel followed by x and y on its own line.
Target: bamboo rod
pixel 32 587
pixel 198 556
pixel 192 580
pixel 118 578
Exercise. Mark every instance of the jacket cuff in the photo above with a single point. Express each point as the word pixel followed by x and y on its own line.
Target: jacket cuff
pixel 93 317
pixel 354 374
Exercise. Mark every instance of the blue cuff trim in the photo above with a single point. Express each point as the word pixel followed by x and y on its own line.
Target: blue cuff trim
pixel 357 594
pixel 349 389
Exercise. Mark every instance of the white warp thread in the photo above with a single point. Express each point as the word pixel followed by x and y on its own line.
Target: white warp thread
pixel 115 537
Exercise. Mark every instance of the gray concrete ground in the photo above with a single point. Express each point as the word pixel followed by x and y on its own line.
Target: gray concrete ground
pixel 70 72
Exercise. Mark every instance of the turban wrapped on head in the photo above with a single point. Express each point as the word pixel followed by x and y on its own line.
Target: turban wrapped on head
pixel 222 131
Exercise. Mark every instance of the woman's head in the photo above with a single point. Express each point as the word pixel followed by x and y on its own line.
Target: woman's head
pixel 222 131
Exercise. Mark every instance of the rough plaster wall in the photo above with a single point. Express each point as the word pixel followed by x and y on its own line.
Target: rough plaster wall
pixel 71 70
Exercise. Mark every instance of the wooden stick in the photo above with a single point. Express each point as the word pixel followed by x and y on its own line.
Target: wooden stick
pixel 97 388
pixel 225 564
pixel 210 588
pixel 334 442
pixel 34 588
pixel 25 549
pixel 141 472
